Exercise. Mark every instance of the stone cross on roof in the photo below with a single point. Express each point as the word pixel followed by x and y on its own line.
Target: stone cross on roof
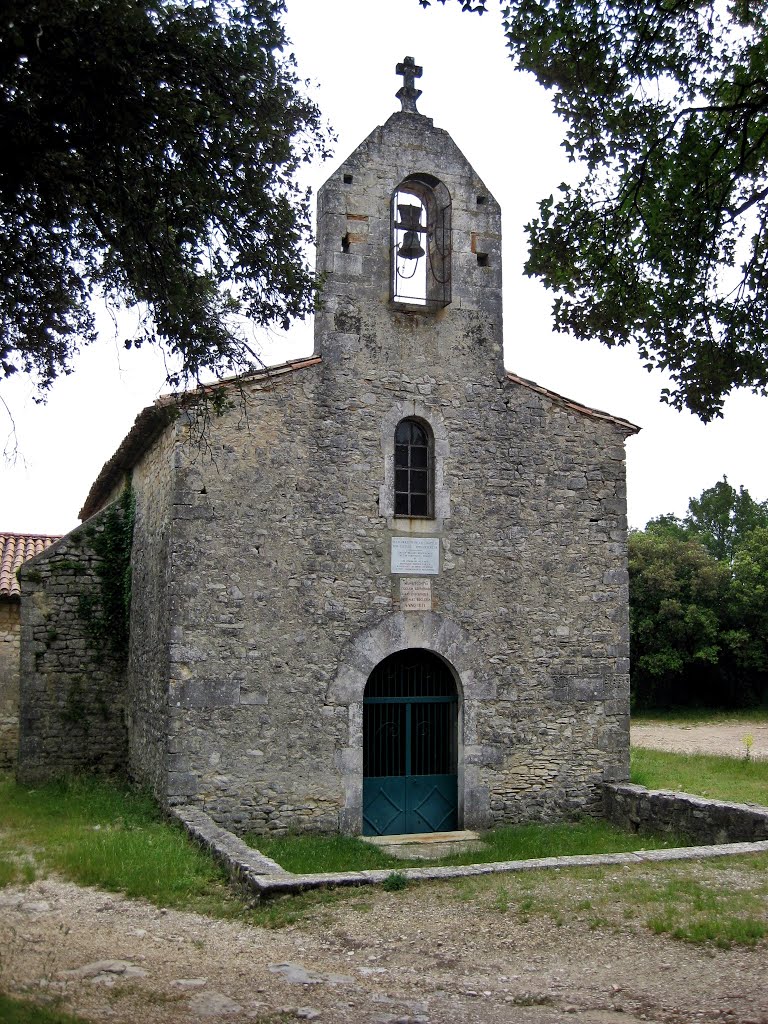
pixel 407 94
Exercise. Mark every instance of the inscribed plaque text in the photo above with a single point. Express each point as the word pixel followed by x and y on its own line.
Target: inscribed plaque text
pixel 416 556
pixel 415 595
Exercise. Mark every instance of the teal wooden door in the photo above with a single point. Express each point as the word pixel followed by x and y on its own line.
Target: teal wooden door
pixel 409 747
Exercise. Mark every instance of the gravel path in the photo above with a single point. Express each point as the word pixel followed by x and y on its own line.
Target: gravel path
pixel 724 738
pixel 436 953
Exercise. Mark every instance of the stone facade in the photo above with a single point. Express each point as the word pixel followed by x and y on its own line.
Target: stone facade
pixel 15 549
pixel 72 702
pixel 10 627
pixel 264 593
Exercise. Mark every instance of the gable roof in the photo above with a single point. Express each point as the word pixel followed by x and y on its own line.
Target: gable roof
pixel 16 548
pixel 568 403
pixel 152 420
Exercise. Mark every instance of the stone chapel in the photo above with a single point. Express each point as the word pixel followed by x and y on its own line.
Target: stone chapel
pixel 394 599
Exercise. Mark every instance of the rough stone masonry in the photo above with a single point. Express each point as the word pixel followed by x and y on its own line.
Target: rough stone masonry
pixel 264 587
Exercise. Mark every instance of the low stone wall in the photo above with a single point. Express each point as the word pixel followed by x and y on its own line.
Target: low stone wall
pixel 266 878
pixel 707 821
pixel 241 861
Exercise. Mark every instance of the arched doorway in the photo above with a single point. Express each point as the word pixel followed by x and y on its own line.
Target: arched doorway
pixel 410 746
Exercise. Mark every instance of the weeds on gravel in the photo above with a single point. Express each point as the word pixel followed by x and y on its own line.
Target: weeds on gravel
pixel 9 872
pixel 22 1011
pixel 395 882
pixel 743 780
pixel 722 903
pixel 695 911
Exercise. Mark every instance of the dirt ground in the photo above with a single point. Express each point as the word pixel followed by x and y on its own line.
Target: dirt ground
pixel 724 738
pixel 534 949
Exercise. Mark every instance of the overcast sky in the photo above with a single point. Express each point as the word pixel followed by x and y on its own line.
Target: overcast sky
pixel 503 123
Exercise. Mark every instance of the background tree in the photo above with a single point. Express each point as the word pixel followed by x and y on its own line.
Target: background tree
pixel 699 603
pixel 749 609
pixel 723 518
pixel 149 151
pixel 677 590
pixel 664 243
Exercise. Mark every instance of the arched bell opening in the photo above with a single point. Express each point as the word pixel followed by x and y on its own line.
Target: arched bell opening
pixel 410 746
pixel 421 242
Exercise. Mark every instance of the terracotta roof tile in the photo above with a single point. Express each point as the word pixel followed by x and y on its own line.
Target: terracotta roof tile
pixel 16 548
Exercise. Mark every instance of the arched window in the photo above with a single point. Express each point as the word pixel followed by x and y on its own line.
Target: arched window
pixel 421 242
pixel 414 473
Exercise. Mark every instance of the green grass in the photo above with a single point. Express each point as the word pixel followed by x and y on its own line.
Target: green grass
pixel 112 837
pixel 108 835
pixel 700 716
pixel 100 833
pixel 21 1011
pixel 719 903
pixel 719 778
pixel 311 854
pixel 696 909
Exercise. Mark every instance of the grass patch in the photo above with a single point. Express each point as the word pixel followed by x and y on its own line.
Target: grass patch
pixel 570 839
pixel 721 903
pixel 701 716
pixel 697 909
pixel 719 778
pixel 314 854
pixel 305 855
pixel 100 833
pixel 106 834
pixel 22 1011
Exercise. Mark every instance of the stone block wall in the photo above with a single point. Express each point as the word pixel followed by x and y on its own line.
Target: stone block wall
pixel 153 483
pixel 72 694
pixel 281 599
pixel 10 629
pixel 707 821
pixel 263 587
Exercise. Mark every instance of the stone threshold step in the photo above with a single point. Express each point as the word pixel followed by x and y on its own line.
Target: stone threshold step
pixel 426 845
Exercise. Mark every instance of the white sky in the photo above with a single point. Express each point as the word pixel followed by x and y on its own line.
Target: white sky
pixel 503 123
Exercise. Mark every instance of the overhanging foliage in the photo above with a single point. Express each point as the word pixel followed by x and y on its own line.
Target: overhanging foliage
pixel 149 153
pixel 664 243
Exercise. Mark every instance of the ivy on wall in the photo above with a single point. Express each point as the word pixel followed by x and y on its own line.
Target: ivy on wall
pixel 109 618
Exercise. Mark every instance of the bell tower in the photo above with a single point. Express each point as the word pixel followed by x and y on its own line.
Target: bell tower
pixel 409 252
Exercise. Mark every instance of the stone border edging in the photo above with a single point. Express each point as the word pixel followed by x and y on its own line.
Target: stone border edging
pixel 241 860
pixel 266 878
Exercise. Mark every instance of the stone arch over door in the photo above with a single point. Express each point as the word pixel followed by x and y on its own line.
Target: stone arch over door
pixel 440 635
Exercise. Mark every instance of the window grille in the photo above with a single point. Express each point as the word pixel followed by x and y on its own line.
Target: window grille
pixel 414 488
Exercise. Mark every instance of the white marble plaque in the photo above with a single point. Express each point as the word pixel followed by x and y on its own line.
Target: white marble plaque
pixel 416 556
pixel 415 594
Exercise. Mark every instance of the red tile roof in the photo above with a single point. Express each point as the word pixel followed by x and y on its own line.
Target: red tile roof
pixel 16 548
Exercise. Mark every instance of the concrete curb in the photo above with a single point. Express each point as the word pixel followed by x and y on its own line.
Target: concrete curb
pixel 266 878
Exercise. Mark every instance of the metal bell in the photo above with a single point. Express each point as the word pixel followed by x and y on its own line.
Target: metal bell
pixel 410 247
pixel 410 222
